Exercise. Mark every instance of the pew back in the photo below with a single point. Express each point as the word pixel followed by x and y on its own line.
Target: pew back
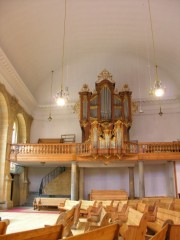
pixel 142 207
pixel 3 226
pixel 108 195
pixel 175 205
pixel 67 205
pixel 134 217
pixel 163 216
pixel 135 230
pixel 174 233
pixel 48 233
pixel 161 235
pixel 48 202
pixel 110 232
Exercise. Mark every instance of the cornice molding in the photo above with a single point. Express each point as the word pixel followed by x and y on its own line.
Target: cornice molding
pixel 157 101
pixel 152 106
pixel 14 84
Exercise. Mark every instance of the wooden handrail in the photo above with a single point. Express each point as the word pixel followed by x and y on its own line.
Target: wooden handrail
pixel 51 148
pixel 86 148
pixel 152 147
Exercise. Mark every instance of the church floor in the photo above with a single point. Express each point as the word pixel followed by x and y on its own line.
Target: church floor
pixel 25 218
pixel 22 219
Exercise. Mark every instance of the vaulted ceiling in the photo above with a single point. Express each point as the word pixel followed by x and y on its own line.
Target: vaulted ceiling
pixel 100 34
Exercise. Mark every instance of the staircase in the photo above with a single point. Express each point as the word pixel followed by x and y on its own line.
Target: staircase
pixel 49 177
pixel 30 198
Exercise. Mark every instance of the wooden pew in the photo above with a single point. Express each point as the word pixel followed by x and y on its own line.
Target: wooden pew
pixel 175 205
pixel 67 205
pixel 85 204
pixel 94 211
pixel 142 207
pixel 110 232
pixel 135 226
pixel 164 216
pixel 48 233
pixel 174 232
pixel 121 212
pixel 96 220
pixel 66 219
pixel 104 195
pixel 165 203
pixel 3 226
pixel 133 203
pixel 145 208
pixel 105 203
pixel 47 202
pixel 161 235
pixel 151 201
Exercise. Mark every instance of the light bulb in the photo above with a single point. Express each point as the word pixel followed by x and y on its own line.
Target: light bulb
pixel 159 92
pixel 60 101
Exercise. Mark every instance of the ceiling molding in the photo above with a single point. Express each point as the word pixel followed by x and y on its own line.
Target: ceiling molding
pixel 157 101
pixel 14 84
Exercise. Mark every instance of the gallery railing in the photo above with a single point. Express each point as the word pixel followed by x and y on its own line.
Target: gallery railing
pixel 152 147
pixel 86 149
pixel 51 148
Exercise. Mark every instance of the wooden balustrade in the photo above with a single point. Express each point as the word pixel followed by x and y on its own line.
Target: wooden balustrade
pixel 60 151
pixel 155 147
pixel 51 148
pixel 84 148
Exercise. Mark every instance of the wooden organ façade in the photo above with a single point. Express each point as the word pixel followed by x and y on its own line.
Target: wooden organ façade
pixel 105 115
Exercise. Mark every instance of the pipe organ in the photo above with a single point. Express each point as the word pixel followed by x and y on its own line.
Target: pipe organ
pixel 105 115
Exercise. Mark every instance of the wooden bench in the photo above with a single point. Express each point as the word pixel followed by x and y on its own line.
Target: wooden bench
pixel 48 233
pixel 148 209
pixel 175 205
pixel 151 201
pixel 135 226
pixel 162 216
pixel 68 220
pixel 165 203
pixel 110 232
pixel 161 235
pixel 133 203
pixel 96 220
pixel 47 202
pixel 174 232
pixel 67 205
pixel 94 211
pixel 108 195
pixel 85 204
pixel 142 207
pixel 3 226
pixel 119 212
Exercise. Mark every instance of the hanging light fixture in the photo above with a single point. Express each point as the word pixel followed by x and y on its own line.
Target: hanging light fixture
pixel 157 89
pixel 50 115
pixel 160 112
pixel 63 95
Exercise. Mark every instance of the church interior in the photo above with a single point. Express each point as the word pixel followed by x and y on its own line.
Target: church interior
pixel 90 111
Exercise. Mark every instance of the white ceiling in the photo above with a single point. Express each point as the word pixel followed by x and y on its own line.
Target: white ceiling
pixel 100 34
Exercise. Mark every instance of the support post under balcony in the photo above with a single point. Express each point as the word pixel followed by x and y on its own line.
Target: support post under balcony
pixel 141 179
pixel 131 183
pixel 74 181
